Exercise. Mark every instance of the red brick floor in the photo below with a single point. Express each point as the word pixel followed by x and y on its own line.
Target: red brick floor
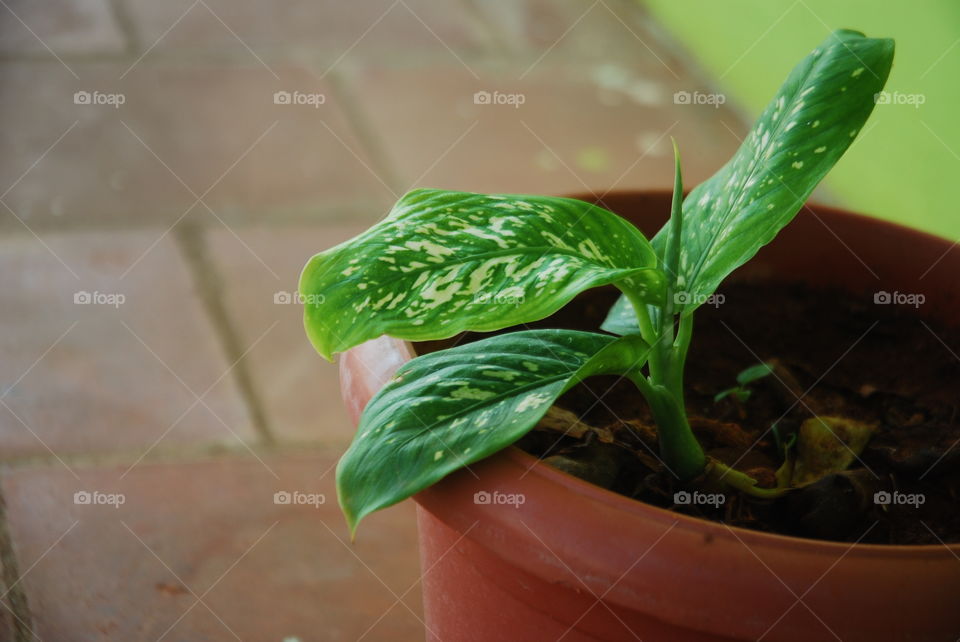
pixel 209 531
pixel 198 199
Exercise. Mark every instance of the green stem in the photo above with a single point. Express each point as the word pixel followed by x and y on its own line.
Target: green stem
pixel 679 449
pixel 721 473
pixel 678 358
pixel 648 332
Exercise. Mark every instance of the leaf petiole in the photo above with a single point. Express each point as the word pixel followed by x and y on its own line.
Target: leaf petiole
pixel 679 449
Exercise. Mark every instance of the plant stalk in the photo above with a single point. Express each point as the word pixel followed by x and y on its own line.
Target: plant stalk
pixel 679 449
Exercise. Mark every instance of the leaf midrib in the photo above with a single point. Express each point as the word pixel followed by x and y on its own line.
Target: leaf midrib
pixel 494 254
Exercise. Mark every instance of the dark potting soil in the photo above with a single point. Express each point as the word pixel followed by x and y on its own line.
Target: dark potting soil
pixel 835 354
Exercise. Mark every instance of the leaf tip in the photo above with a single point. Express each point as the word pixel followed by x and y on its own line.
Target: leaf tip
pixel 352 524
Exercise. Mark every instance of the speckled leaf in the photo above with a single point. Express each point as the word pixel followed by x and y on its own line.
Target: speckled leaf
pixel 801 134
pixel 444 262
pixel 445 410
pixel 621 319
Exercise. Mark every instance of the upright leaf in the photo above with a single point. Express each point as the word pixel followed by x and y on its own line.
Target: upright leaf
pixel 670 251
pixel 622 318
pixel 444 262
pixel 445 410
pixel 801 134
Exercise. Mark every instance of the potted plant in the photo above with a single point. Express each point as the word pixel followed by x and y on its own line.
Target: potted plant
pixel 725 545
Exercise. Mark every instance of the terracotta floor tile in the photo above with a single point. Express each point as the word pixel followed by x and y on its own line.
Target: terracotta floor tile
pixel 578 128
pixel 326 31
pixel 266 571
pixel 76 377
pixel 181 132
pixel 67 27
pixel 299 389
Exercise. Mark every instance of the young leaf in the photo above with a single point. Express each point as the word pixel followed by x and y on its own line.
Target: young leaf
pixel 670 252
pixel 622 318
pixel 445 262
pixel 801 134
pixel 447 409
pixel 754 373
pixel 739 393
pixel 744 378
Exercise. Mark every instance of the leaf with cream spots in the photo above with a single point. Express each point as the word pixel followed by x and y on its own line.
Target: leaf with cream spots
pixel 445 262
pixel 798 138
pixel 443 410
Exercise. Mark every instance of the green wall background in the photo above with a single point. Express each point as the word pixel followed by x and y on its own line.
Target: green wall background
pixel 905 165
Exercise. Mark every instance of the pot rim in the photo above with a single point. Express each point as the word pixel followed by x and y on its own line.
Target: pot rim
pixel 717 529
pixel 700 525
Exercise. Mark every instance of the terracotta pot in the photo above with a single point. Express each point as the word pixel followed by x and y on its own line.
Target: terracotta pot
pixel 578 562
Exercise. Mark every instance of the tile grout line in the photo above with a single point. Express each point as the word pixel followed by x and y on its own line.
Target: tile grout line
pixel 334 212
pixel 179 455
pixel 127 26
pixel 193 246
pixel 10 580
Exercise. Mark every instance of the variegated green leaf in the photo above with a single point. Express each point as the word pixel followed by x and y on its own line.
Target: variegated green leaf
pixel 444 262
pixel 808 125
pixel 622 319
pixel 445 410
pixel 801 134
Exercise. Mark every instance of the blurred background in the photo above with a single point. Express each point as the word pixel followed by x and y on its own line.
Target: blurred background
pixel 167 434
